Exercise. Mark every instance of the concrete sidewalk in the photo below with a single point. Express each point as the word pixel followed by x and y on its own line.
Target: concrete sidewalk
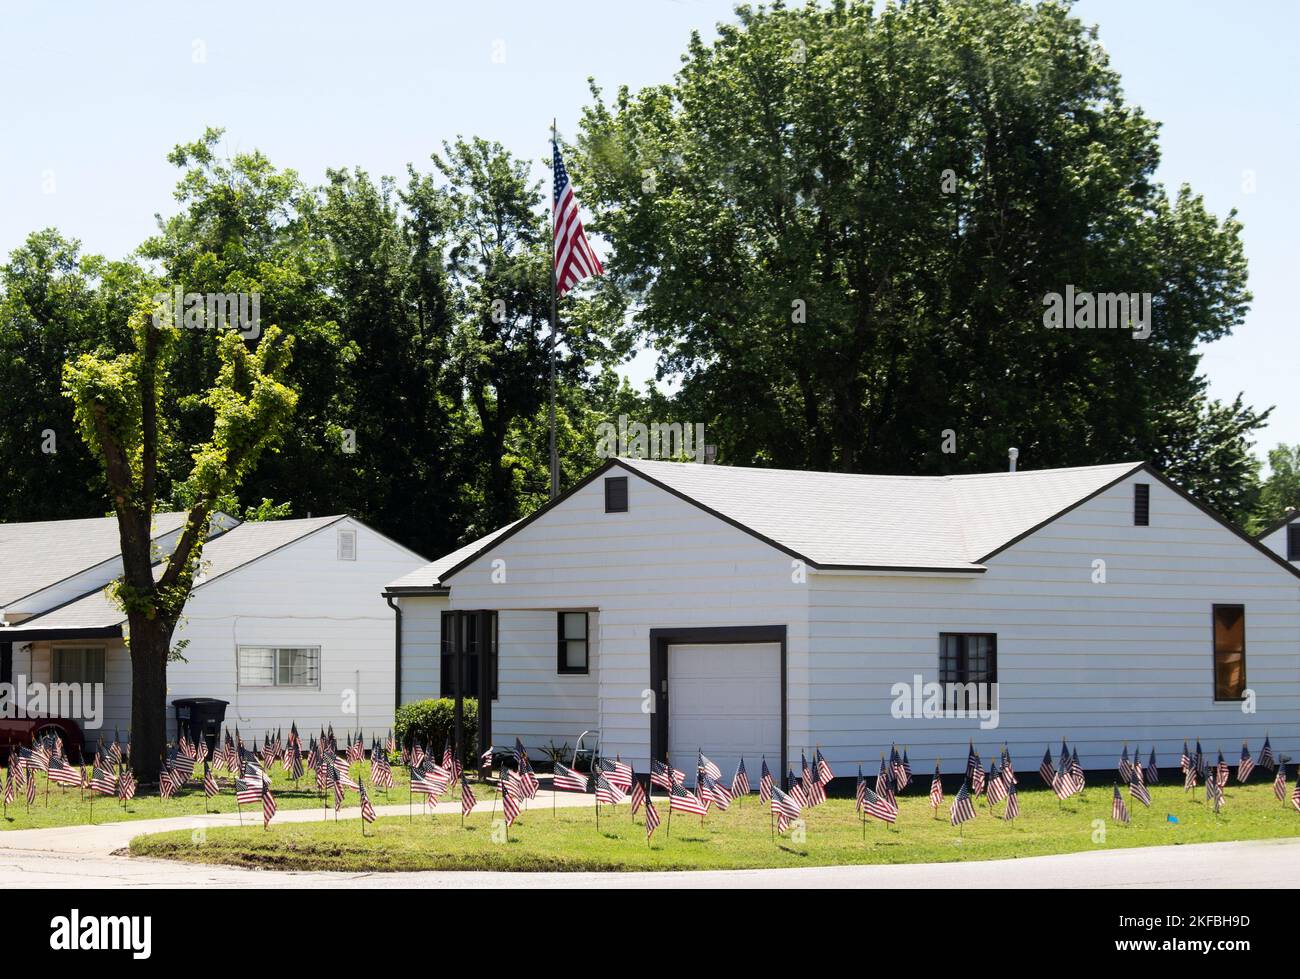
pixel 84 857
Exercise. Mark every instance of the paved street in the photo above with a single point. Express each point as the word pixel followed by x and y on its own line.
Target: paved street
pixel 88 856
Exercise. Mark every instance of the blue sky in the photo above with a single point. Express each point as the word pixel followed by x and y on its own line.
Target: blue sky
pixel 95 96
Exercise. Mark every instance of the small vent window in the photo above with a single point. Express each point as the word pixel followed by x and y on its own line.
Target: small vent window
pixel 616 494
pixel 1141 504
pixel 347 545
pixel 1293 542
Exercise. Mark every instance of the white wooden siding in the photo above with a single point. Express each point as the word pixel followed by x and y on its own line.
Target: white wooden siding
pixel 1096 663
pixel 421 646
pixel 663 563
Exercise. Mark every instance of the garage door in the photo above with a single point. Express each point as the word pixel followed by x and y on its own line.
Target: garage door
pixel 726 699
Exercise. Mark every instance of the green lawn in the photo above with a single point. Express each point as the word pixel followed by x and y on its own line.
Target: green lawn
pixel 741 838
pixel 68 807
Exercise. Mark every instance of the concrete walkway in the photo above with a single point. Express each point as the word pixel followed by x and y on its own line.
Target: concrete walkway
pixel 85 857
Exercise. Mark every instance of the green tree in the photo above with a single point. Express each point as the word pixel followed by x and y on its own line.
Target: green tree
pixel 1280 492
pixel 840 225
pixel 117 401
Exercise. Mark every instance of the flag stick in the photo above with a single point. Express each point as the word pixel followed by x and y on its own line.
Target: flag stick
pixel 553 457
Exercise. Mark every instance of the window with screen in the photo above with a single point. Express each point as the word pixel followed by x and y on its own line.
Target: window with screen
pixel 1229 652
pixel 475 633
pixel 279 666
pixel 968 666
pixel 78 664
pixel 1141 504
pixel 571 646
pixel 1293 542
pixel 616 494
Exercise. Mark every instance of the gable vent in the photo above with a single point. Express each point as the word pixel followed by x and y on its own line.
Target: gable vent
pixel 616 494
pixel 347 545
pixel 1141 504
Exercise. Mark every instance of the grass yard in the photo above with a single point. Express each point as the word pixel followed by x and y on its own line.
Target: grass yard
pixel 68 807
pixel 740 838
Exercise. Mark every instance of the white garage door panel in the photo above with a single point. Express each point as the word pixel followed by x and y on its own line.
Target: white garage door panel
pixel 725 699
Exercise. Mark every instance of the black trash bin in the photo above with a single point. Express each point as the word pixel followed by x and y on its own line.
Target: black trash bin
pixel 200 717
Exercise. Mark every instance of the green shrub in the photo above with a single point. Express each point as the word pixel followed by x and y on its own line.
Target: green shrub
pixel 432 722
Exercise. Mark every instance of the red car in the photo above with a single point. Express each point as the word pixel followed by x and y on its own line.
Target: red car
pixel 21 732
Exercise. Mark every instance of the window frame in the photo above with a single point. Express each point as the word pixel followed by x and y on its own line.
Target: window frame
pixel 990 674
pixel 1214 651
pixel 58 651
pixel 275 683
pixel 1293 541
pixel 611 483
pixel 562 640
pixel 1141 504
pixel 447 653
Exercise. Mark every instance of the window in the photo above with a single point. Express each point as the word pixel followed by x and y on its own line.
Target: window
pixel 347 545
pixel 571 647
pixel 1141 504
pixel 1229 652
pixel 476 634
pixel 279 666
pixel 1293 542
pixel 968 658
pixel 616 494
pixel 78 665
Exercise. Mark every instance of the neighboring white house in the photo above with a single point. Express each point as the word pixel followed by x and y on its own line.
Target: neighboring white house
pixel 765 613
pixel 285 620
pixel 1283 537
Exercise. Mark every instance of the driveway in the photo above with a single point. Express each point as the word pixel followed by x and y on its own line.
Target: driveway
pixel 83 856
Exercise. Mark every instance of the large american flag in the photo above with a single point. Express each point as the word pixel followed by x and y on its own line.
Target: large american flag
pixel 574 259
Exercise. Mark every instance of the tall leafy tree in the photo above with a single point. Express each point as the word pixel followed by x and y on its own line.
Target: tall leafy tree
pixel 840 225
pixel 117 400
pixel 1280 492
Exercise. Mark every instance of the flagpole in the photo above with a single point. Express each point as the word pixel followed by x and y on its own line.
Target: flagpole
pixel 554 458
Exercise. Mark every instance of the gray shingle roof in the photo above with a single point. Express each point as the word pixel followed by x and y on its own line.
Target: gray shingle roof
pixel 34 556
pixel 233 549
pixel 847 520
pixel 427 576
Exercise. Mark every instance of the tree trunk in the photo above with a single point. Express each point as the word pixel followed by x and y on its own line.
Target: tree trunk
pixel 149 643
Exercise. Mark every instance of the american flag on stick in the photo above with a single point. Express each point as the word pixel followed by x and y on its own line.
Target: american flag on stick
pixel 812 783
pixel 247 791
pixel 1295 795
pixel 1008 770
pixel 859 791
pixel 268 803
pixel 509 803
pixel 1221 770
pixel 607 793
pixel 785 808
pixel 572 256
pixel 467 799
pixel 1138 791
pixel 102 778
pixel 682 800
pixel 1013 803
pixel 705 765
pixel 714 791
pixel 210 787
pixel 740 781
pixel 1279 783
pixel 661 775
pixel 1245 765
pixel 651 819
pixel 824 773
pixel 367 809
pixel 962 810
pixel 936 789
pixel 638 796
pixel 567 779
pixel 765 782
pixel 1266 759
pixel 1152 774
pixel 1118 811
pixel 1046 771
pixel 874 804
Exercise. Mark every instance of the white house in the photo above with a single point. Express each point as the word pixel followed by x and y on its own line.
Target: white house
pixel 1283 537
pixel 285 620
pixel 765 613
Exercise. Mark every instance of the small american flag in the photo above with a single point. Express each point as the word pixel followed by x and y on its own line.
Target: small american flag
pixel 651 818
pixel 1198 760
pixel 1118 811
pixel 796 790
pixel 740 781
pixel 707 766
pixel 975 772
pixel 1046 771
pixel 714 791
pixel 63 773
pixel 997 787
pixel 10 789
pixel 1184 760
pixel 1221 770
pixel 1076 771
pixel 1245 765
pixel 367 810
pixel 528 782
pixel 573 258
pixel 873 804
pixel 1125 766
pixel 102 778
pixel 247 791
pixel 509 803
pixel 1008 770
pixel 936 789
pixel 859 791
pixel 31 786
pixel 682 800
pixel 638 796
pixel 567 779
pixel 607 792
pixel 467 799
pixel 1152 775
pixel 125 785
pixel 885 784
pixel 210 787
pixel 812 784
pixel 824 773
pixel 1013 802
pixel 765 782
pixel 423 784
pixel 1266 759
pixel 1214 793
pixel 1279 783
pixel 619 773
pixel 660 775
pixel 1295 795
pixel 785 808
pixel 1139 792
pixel 268 803
pixel 1189 781
pixel 963 810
